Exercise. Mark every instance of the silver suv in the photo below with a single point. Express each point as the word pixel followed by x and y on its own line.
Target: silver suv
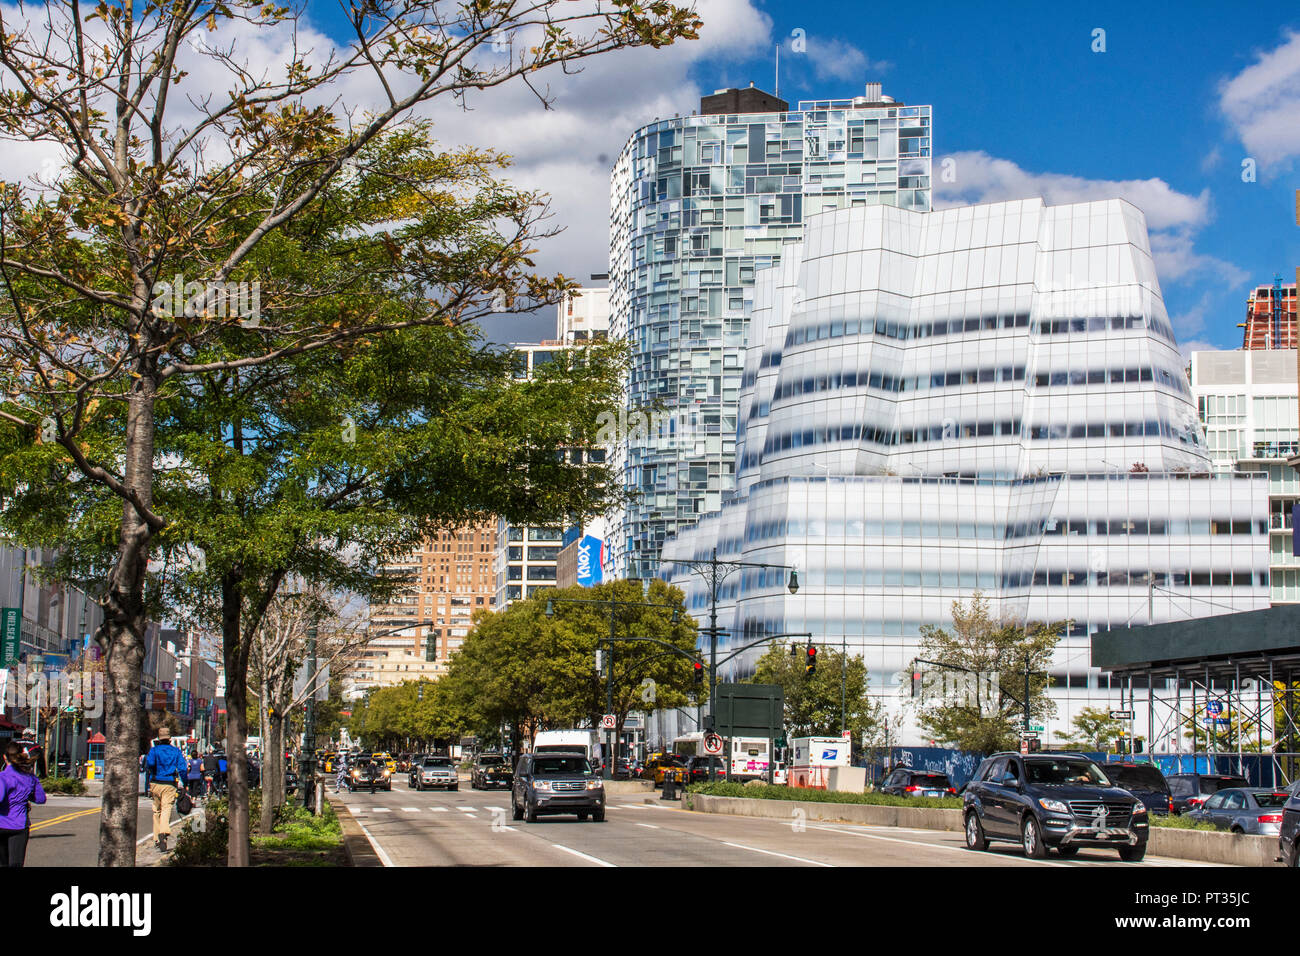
pixel 436 772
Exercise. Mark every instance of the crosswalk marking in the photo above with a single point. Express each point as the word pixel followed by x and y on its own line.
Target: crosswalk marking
pixel 381 810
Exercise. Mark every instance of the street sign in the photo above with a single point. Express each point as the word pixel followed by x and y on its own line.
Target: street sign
pixel 1037 728
pixel 1121 715
pixel 1028 735
pixel 750 710
pixel 712 744
pixel 1214 708
pixel 608 722
pixel 11 637
pixel 1024 746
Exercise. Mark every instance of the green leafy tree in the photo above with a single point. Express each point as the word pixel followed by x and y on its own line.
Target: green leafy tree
pixel 987 711
pixel 812 704
pixel 84 325
pixel 1093 728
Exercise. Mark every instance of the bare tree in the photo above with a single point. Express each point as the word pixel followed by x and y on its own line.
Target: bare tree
pixel 160 177
pixel 278 649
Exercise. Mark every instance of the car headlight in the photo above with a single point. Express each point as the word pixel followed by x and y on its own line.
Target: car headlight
pixel 1139 810
pixel 541 785
pixel 356 773
pixel 1056 806
pixel 594 784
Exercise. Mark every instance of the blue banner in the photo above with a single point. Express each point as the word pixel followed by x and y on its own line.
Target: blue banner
pixel 591 559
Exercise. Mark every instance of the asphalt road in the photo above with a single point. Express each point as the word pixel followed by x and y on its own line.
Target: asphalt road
pixel 65 831
pixel 474 828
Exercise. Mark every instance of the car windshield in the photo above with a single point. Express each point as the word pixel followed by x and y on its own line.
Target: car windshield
pixel 550 764
pixel 1145 778
pixel 490 761
pixel 929 780
pixel 1079 773
pixel 1271 799
pixel 1215 784
pixel 437 762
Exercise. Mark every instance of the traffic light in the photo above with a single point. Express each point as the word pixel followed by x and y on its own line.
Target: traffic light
pixel 1035 745
pixel 1120 745
pixel 810 662
pixel 430 654
pixel 1139 745
pixel 916 681
pixel 698 667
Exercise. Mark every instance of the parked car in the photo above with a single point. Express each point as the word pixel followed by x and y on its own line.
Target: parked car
pixel 1190 790
pixel 491 772
pixel 1256 810
pixel 906 782
pixel 369 775
pixel 1144 781
pixel 698 769
pixel 1288 840
pixel 1056 801
pixel 550 783
pixel 436 772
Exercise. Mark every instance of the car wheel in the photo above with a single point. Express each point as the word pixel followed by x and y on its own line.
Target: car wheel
pixel 515 812
pixel 975 838
pixel 1067 851
pixel 599 815
pixel 530 813
pixel 455 787
pixel 1133 854
pixel 1032 839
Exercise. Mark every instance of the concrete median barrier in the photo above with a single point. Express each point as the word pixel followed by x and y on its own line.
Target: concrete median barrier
pixel 1200 846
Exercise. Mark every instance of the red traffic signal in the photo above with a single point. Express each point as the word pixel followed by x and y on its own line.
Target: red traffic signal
pixel 810 661
pixel 699 672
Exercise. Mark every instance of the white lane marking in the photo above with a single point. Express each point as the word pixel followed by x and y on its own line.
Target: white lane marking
pixel 355 811
pixel 439 809
pixel 468 809
pixel 648 826
pixel 590 859
pixel 381 809
pixel 798 859
pixel 410 809
pixel 936 846
pixel 374 845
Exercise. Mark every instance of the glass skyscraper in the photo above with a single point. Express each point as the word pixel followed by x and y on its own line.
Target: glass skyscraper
pixel 986 398
pixel 700 204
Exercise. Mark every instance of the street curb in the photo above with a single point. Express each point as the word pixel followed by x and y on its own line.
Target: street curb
pixel 1199 846
pixel 356 846
pixel 629 786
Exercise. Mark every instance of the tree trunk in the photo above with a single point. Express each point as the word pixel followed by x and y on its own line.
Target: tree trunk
pixel 121 636
pixel 236 663
pixel 269 803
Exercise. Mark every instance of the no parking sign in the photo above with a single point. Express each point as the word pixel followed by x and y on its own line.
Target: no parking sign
pixel 712 745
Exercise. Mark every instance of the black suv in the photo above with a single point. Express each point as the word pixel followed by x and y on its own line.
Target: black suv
pixel 1145 782
pixel 490 771
pixel 550 783
pixel 1191 790
pixel 906 782
pixel 1062 801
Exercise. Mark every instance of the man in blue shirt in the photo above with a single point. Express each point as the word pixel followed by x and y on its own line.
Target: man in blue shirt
pixel 165 767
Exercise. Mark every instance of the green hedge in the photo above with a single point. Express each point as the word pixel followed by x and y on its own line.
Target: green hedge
pixel 770 792
pixel 69 785
pixel 1180 823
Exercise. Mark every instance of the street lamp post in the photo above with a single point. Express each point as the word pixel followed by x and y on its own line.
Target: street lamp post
pixel 309 726
pixel 715 572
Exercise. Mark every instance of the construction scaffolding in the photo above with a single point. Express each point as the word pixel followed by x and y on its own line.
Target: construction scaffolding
pixel 1220 694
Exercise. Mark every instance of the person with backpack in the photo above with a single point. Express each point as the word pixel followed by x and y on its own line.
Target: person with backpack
pixel 19 786
pixel 210 770
pixel 166 770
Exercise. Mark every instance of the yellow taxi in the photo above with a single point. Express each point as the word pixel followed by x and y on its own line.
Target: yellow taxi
pixel 658 764
pixel 386 759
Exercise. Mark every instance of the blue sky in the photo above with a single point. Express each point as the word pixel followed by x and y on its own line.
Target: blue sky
pixel 1182 94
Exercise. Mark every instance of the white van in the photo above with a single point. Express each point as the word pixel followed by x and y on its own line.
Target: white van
pixel 569 741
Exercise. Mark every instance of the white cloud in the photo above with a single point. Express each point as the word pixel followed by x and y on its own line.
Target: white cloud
pixel 1173 218
pixel 1262 104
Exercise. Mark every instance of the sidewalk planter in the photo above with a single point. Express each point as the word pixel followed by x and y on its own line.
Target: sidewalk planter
pixel 1200 846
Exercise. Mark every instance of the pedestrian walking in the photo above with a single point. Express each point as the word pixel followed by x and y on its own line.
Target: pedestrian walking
pixel 341 776
pixel 166 768
pixel 194 774
pixel 19 786
pixel 223 767
pixel 210 771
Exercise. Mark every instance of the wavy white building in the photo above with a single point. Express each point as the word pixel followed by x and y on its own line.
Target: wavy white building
pixel 987 398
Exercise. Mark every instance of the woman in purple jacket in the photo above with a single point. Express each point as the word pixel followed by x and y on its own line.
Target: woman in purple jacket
pixel 19 786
